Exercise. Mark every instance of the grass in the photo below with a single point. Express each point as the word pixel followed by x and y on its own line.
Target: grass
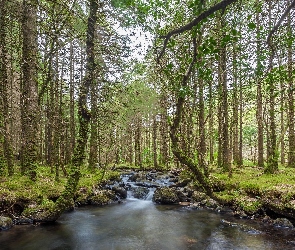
pixel 249 187
pixel 20 189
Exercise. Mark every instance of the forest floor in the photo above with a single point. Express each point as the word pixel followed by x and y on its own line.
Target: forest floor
pixel 249 191
pixel 254 192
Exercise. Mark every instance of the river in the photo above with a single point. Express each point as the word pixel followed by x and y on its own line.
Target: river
pixel 141 224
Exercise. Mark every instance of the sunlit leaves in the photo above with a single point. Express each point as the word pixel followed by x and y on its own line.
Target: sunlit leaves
pixel 251 26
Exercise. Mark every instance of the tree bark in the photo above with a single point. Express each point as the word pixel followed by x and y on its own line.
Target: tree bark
pixel 65 200
pixel 6 160
pixel 223 104
pixel 155 155
pixel 291 134
pixel 259 112
pixel 29 90
pixel 272 160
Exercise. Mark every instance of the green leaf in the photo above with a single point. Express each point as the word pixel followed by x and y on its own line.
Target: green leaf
pixel 251 26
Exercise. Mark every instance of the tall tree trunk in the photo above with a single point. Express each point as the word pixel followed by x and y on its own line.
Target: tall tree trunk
pixel 5 138
pixel 65 200
pixel 174 132
pixel 202 137
pixel 235 109
pixel 291 134
pixel 155 155
pixel 223 105
pixel 240 158
pixel 137 141
pixel 29 90
pixel 93 151
pixel 72 104
pixel 3 80
pixel 211 123
pixel 272 160
pixel 259 112
pixel 164 148
pixel 282 119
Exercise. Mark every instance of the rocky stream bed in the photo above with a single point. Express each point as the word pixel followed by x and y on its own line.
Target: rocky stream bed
pixel 162 188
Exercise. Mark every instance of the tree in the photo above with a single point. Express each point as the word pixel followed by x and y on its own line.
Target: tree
pixel 291 153
pixel 65 200
pixel 29 90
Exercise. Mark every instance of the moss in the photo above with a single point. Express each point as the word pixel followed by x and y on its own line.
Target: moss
pixel 250 206
pixel 102 197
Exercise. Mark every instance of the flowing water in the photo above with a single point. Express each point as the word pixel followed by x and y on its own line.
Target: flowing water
pixel 141 224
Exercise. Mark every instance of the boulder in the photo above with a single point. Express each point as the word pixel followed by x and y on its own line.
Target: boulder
pixel 5 223
pixel 120 191
pixel 165 195
pixel 140 192
pixel 199 196
pixel 283 222
pixel 102 197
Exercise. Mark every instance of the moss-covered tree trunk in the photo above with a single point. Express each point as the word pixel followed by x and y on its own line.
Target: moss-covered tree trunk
pixel 291 112
pixel 3 82
pixel 175 135
pixel 66 199
pixel 29 90
pixel 93 151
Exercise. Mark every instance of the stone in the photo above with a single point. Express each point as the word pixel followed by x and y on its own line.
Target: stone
pixel 122 192
pixel 140 192
pixel 5 223
pixel 283 222
pixel 198 196
pixel 165 195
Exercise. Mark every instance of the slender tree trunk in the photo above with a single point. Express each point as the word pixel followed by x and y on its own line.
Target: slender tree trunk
pixel 223 121
pixel 202 137
pixel 72 104
pixel 29 90
pixel 174 132
pixel 93 153
pixel 259 112
pixel 291 134
pixel 211 122
pixel 137 141
pixel 57 120
pixel 240 158
pixel 235 109
pixel 155 155
pixel 164 149
pixel 282 119
pixel 272 160
pixel 65 200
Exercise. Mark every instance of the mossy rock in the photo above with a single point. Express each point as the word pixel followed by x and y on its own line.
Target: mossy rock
pixel 102 197
pixel 5 223
pixel 249 205
pixel 82 196
pixel 165 195
pixel 283 222
pixel 199 196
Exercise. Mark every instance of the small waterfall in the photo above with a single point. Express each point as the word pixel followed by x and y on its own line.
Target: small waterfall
pixel 139 187
pixel 150 194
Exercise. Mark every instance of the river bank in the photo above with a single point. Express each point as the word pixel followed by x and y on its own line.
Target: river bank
pixel 273 204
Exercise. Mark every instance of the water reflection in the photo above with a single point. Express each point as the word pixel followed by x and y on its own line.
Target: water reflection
pixel 139 224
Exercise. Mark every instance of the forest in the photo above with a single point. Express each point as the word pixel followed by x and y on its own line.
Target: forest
pixel 201 86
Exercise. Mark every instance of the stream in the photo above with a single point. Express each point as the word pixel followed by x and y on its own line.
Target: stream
pixel 141 224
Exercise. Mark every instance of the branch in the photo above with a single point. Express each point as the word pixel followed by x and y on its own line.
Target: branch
pixel 222 5
pixel 275 28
